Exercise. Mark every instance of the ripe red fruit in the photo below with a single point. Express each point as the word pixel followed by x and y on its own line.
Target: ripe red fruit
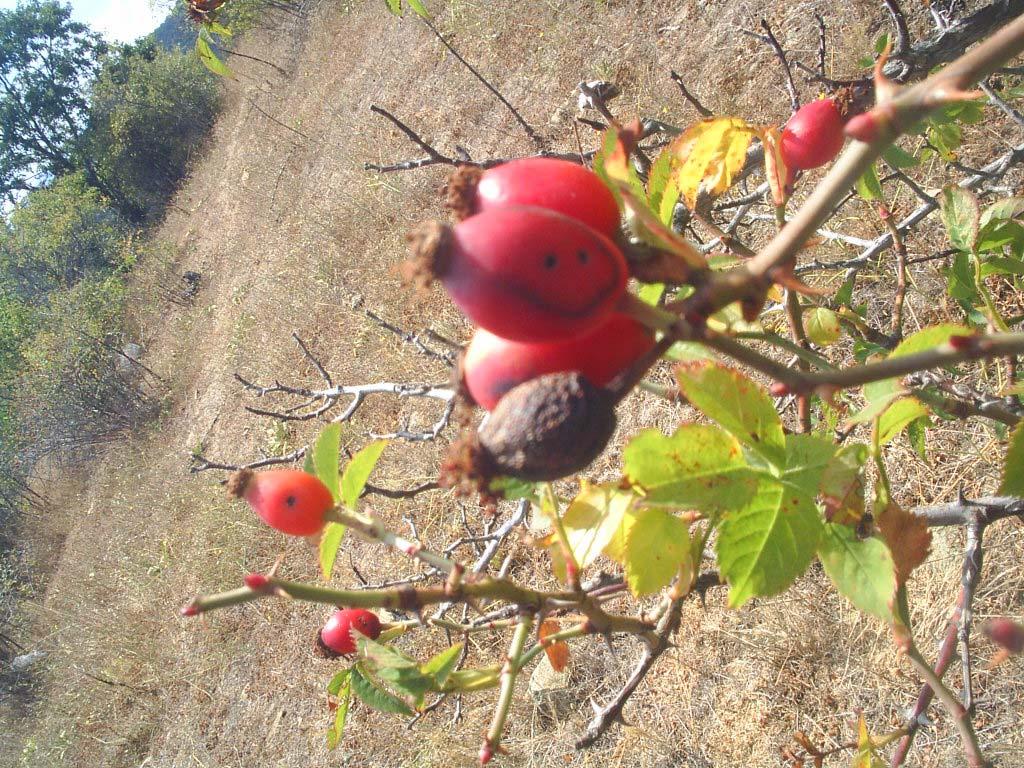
pixel 813 136
pixel 545 182
pixel 1005 633
pixel 493 365
pixel 523 273
pixel 289 500
pixel 337 632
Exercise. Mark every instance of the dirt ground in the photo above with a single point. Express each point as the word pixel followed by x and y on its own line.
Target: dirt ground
pixel 291 234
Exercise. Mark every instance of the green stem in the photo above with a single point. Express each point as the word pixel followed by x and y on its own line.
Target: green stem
pixel 566 634
pixel 509 673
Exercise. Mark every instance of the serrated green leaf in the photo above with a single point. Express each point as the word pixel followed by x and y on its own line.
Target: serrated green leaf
pixel 861 569
pixel 667 205
pixel 699 467
pixel 842 485
pixel 898 159
pixel 737 404
pixel 325 458
pixel 330 541
pixel 376 697
pixel 210 59
pixel 946 138
pixel 656 546
pixel 1013 469
pixel 358 471
pixel 383 656
pixel 592 519
pixel 963 285
pixel 686 351
pixel 807 456
pixel 822 326
pixel 1002 210
pixel 658 179
pixel 844 296
pixel 340 686
pixel 395 6
pixel 876 407
pixel 765 546
pixel 960 215
pixel 897 416
pixel 869 187
pixel 442 665
pixel 995 236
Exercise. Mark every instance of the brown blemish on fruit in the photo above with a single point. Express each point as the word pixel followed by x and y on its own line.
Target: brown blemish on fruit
pixel 460 192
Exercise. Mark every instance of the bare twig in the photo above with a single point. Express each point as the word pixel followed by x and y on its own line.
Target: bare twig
pixel 769 39
pixel 694 101
pixel 899 23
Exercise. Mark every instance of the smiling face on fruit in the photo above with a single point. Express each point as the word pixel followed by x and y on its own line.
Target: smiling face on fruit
pixel 530 274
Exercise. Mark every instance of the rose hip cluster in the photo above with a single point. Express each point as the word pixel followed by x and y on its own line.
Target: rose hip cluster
pixel 533 261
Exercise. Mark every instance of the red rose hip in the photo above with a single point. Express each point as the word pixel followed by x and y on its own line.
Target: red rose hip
pixel 813 136
pixel 523 273
pixel 288 500
pixel 336 636
pixel 493 365
pixel 545 182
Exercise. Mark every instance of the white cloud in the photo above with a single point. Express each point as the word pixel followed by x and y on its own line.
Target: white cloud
pixel 122 21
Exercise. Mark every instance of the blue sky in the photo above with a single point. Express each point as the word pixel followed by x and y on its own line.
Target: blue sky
pixel 122 20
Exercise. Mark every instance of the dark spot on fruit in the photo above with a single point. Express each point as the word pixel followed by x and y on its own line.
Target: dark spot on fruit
pixel 550 261
pixel 290 501
pixel 583 256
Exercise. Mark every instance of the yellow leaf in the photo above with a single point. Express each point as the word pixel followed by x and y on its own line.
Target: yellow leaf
pixel 711 153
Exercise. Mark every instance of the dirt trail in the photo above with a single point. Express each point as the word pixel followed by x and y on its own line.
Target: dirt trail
pixel 291 234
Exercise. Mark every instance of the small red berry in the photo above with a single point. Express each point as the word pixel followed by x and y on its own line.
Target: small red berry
pixel 813 136
pixel 545 182
pixel 493 365
pixel 1005 633
pixel 189 609
pixel 289 500
pixel 523 273
pixel 337 634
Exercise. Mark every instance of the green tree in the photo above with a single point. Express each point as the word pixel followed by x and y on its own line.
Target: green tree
pixel 150 109
pixel 57 236
pixel 46 64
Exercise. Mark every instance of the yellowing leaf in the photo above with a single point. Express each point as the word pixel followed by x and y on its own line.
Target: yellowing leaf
pixel 775 169
pixel 908 538
pixel 657 546
pixel 592 519
pixel 557 653
pixel 711 153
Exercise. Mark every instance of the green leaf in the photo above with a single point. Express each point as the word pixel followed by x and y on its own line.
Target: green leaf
pixel 592 519
pixel 374 696
pixel 881 42
pixel 442 665
pixel 699 467
pixel 1013 470
pixel 960 215
pixel 1002 210
pixel 512 488
pixel 946 138
pixel 210 60
pixel 916 433
pixel 325 458
pixel 844 296
pixel 657 544
pixel 739 406
pixel 862 569
pixel 395 6
pixel 842 485
pixel 340 686
pixel 876 406
pixel 330 541
pixel 470 680
pixel 822 326
pixel 807 457
pixel 929 338
pixel 658 179
pixel 869 187
pixel 994 237
pixel 898 159
pixel 217 29
pixel 651 293
pixel 897 416
pixel 765 546
pixel 667 206
pixel 419 8
pixel 963 285
pixel 358 471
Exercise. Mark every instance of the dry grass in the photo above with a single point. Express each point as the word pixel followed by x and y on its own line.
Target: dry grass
pixel 288 232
